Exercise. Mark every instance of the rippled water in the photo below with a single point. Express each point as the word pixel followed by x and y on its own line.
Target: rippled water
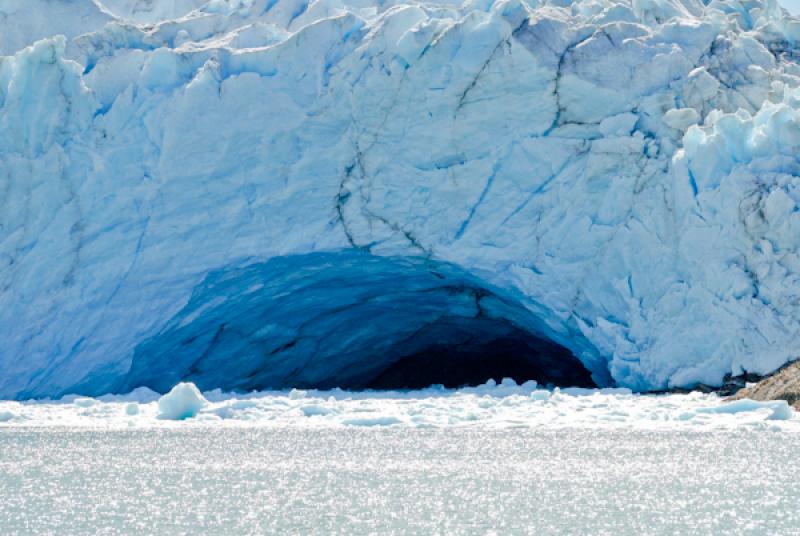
pixel 303 480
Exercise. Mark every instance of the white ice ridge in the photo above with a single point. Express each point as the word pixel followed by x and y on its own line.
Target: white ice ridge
pixel 625 171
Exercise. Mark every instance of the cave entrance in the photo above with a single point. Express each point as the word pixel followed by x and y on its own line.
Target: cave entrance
pixel 354 321
pixel 495 353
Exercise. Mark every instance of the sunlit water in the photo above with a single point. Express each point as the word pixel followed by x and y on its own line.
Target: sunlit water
pixel 504 459
pixel 351 480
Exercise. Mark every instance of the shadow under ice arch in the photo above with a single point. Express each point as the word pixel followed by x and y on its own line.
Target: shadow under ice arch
pixel 355 321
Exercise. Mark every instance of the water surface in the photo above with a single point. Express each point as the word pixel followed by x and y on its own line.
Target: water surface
pixel 354 480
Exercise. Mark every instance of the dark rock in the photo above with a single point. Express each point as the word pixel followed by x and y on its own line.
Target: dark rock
pixel 733 384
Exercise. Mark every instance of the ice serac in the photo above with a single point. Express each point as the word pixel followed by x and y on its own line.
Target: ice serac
pixel 618 179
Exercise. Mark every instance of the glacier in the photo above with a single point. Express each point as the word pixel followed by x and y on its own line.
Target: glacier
pixel 263 193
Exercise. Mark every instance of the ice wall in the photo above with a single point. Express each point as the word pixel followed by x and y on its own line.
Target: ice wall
pixel 626 170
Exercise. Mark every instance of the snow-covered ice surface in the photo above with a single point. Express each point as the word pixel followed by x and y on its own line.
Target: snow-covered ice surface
pixel 504 405
pixel 622 172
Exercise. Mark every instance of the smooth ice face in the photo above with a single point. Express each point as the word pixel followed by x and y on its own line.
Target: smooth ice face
pixel 625 172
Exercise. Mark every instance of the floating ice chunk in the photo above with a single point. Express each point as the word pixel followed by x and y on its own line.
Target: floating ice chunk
pixel 297 394
pixel 141 395
pixel 780 409
pixel 577 391
pixel 182 402
pixel 132 409
pixel 6 416
pixel 616 391
pixel 84 402
pixel 372 421
pixel 312 410
pixel 244 404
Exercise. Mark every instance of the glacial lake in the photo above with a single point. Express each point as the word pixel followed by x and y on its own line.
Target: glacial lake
pixel 301 463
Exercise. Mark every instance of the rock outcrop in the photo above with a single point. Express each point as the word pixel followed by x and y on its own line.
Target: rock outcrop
pixel 782 385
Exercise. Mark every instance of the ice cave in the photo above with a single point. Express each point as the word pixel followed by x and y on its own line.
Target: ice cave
pixel 351 320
